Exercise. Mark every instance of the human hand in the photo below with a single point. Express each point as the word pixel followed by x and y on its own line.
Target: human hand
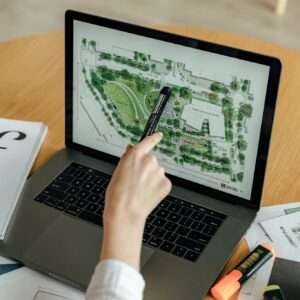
pixel 136 188
pixel 138 183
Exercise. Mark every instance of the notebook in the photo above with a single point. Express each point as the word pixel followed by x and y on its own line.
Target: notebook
pixel 20 142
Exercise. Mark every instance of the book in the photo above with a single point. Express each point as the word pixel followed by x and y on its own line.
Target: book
pixel 20 142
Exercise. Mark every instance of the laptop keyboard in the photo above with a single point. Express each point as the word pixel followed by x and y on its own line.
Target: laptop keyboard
pixel 175 226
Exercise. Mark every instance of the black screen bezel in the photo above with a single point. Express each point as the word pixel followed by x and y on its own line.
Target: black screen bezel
pixel 268 113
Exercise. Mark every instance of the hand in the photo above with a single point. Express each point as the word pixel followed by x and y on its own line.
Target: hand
pixel 136 188
pixel 138 184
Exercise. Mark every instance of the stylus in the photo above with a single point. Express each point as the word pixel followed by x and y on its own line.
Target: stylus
pixel 157 111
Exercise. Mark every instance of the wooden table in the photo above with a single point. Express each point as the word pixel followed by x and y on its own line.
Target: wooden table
pixel 32 88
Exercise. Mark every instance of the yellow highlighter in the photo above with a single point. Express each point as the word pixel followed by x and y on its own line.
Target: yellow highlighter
pixel 233 281
pixel 273 292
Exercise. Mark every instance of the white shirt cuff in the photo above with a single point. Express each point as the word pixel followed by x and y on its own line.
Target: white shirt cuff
pixel 114 279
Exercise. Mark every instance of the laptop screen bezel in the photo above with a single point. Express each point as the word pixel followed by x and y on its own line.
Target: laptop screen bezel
pixel 268 113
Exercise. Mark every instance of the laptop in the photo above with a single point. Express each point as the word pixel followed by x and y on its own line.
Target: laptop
pixel 217 128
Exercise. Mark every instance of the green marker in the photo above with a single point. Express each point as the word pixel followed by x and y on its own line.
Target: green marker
pixel 273 292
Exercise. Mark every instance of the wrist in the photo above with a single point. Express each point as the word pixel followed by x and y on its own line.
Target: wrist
pixel 123 237
pixel 120 218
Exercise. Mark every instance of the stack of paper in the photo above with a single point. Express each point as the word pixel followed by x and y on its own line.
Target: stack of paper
pixel 20 142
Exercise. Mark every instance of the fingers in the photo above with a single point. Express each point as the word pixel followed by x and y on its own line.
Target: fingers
pixel 165 183
pixel 128 147
pixel 162 188
pixel 149 142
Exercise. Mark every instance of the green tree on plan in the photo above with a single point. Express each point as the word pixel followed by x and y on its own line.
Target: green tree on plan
pixel 142 56
pixel 125 74
pixel 176 123
pixel 93 44
pixel 246 110
pixel 229 135
pixel 241 158
pixel 168 63
pixel 235 85
pixel 104 55
pixel 169 121
pixel 214 98
pixel 245 85
pixel 240 176
pixel 97 82
pixel 219 87
pixel 242 144
pixel 185 92
pixel 227 101
pixel 175 90
pixel 108 75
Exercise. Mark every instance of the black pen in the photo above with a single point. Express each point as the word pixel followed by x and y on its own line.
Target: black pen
pixel 157 111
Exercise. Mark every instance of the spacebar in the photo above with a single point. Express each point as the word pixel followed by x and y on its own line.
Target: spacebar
pixel 90 217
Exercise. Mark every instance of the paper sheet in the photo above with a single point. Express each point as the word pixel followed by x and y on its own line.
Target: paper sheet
pixel 27 284
pixel 257 235
pixel 284 230
pixel 4 260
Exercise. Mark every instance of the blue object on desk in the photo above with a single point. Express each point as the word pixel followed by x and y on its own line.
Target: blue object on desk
pixel 6 268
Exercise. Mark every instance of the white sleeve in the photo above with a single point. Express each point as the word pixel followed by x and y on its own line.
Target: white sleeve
pixel 115 280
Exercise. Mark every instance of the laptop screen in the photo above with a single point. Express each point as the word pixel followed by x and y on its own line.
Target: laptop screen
pixel 211 124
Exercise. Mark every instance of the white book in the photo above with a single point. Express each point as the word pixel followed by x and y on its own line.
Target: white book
pixel 20 142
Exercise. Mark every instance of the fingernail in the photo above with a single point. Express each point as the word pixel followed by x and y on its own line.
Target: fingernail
pixel 160 134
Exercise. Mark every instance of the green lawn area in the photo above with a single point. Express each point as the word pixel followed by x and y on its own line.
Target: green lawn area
pixel 131 85
pixel 151 99
pixel 122 102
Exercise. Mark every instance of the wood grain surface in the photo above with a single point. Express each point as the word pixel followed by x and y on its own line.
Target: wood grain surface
pixel 32 88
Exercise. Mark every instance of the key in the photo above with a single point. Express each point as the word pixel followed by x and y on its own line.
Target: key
pixel 192 245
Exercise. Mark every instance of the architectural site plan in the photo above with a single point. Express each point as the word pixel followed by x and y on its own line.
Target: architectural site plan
pixel 205 123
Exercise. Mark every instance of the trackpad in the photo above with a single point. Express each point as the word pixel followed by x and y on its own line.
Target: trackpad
pixel 146 254
pixel 68 248
pixel 71 249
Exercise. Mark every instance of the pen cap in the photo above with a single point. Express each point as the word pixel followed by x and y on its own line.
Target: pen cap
pixel 166 91
pixel 227 286
pixel 269 247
